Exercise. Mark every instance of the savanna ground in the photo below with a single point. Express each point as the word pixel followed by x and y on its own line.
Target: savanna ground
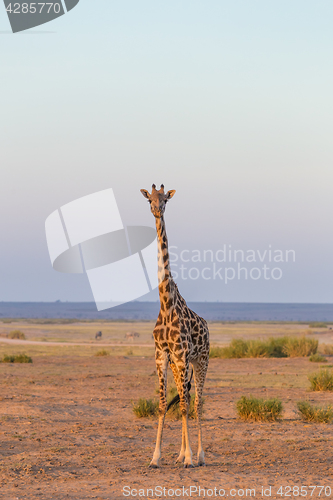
pixel 68 431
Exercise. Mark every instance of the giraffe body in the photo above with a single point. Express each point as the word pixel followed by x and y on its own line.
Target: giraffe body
pixel 181 340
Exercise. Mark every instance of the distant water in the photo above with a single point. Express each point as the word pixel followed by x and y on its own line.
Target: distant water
pixel 211 311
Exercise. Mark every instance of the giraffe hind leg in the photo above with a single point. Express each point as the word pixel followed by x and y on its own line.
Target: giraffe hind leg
pixel 200 369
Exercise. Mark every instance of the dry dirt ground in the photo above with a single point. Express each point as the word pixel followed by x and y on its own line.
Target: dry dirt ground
pixel 67 430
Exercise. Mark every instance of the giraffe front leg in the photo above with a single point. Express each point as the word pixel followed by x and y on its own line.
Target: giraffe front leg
pixel 176 377
pixel 201 454
pixel 161 365
pixel 181 456
pixel 200 369
pixel 188 452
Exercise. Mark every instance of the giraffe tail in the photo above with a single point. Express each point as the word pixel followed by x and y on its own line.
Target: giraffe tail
pixel 176 399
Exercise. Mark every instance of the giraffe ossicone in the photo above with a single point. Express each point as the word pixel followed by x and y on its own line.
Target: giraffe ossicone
pixel 181 340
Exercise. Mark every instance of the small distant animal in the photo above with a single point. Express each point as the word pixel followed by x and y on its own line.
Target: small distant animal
pixel 98 335
pixel 131 335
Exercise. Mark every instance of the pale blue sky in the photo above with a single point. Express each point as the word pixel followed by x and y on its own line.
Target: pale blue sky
pixel 228 102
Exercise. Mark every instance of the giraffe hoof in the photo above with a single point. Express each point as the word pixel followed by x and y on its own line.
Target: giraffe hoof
pixel 188 466
pixel 153 466
pixel 201 464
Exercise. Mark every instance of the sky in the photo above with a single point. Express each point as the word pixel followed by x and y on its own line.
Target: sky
pixel 227 102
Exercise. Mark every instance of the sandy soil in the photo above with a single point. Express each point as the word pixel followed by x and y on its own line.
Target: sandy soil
pixel 68 431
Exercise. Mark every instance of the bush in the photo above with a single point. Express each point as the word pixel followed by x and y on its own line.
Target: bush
pixel 321 381
pixel 317 325
pixel 257 349
pixel 317 358
pixel 19 358
pixel 236 349
pixel 300 347
pixel 216 352
pixel 327 349
pixel 145 408
pixel 318 414
pixel 276 347
pixel 16 334
pixel 259 410
pixel 280 347
pixel 102 352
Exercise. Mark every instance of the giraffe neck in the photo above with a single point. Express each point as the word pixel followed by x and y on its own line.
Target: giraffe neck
pixel 166 285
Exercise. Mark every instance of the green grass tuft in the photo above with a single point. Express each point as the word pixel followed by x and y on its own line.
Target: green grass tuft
pixel 175 412
pixel 317 414
pixel 102 352
pixel 280 347
pixel 321 381
pixel 259 410
pixel 149 407
pixel 145 408
pixel 16 334
pixel 317 358
pixel 19 358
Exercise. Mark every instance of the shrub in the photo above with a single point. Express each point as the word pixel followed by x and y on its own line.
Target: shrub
pixel 19 358
pixel 16 334
pixel 300 347
pixel 257 349
pixel 318 414
pixel 236 349
pixel 317 358
pixel 327 349
pixel 145 408
pixel 102 352
pixel 259 410
pixel 321 381
pixel 216 352
pixel 318 324
pixel 276 347
pixel 280 347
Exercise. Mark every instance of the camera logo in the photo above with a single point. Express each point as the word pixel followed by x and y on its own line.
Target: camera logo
pixel 87 235
pixel 25 15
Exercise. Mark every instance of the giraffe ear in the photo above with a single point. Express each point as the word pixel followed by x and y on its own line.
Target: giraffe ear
pixel 145 193
pixel 170 194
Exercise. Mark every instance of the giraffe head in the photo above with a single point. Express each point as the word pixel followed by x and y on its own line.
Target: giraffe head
pixel 158 199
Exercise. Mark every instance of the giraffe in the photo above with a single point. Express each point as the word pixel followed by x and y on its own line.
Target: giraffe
pixel 181 339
